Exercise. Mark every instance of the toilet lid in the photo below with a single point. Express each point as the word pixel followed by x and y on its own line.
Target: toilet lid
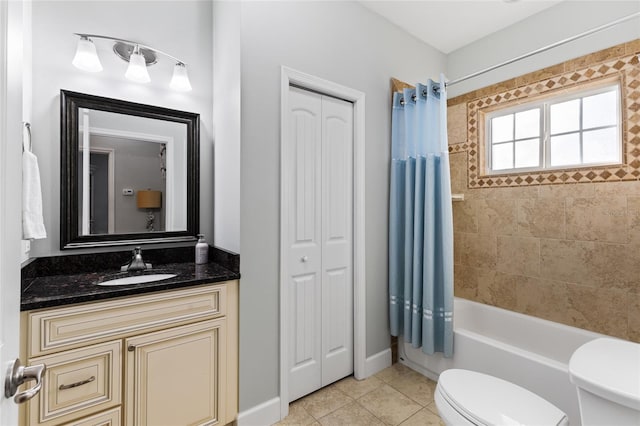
pixel 488 400
pixel 609 368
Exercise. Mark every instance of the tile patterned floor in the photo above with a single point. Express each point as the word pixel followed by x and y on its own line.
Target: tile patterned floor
pixel 394 396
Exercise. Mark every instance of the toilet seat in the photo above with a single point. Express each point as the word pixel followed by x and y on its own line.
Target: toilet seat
pixel 485 400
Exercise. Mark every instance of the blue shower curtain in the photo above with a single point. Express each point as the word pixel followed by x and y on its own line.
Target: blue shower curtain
pixel 421 221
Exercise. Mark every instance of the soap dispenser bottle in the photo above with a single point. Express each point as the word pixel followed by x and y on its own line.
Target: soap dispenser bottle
pixel 202 250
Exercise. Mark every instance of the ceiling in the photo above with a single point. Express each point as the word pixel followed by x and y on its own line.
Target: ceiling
pixel 449 25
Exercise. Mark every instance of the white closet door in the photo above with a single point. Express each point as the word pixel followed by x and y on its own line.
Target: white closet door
pixel 305 240
pixel 337 231
pixel 320 182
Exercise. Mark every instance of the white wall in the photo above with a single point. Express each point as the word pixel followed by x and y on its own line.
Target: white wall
pixel 180 28
pixel 549 26
pixel 347 44
pixel 226 122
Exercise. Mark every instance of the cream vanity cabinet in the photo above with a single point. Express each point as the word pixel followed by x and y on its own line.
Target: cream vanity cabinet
pixel 165 358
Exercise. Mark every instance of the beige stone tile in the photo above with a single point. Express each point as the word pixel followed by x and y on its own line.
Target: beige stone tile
pixel 457 247
pixel 465 282
pixel 325 401
pixel 389 405
pixel 458 171
pixel 478 250
pixel 518 256
pixel 497 216
pixel 423 417
pixel 634 316
pixel 624 188
pixel 632 47
pixel 541 217
pixel 415 386
pixel 356 388
pixel 595 58
pixel 542 74
pixel 433 408
pixel 601 310
pixel 576 190
pixel 478 194
pixel 633 217
pixel 614 266
pixel 499 291
pixel 542 298
pixel 465 218
pixel 568 261
pixel 391 373
pixel 351 414
pixel 511 193
pixel 597 219
pixel 297 415
pixel 457 123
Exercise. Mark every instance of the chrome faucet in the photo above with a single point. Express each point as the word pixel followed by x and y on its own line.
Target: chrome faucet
pixel 136 263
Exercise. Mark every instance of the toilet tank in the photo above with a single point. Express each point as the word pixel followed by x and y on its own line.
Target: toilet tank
pixel 606 373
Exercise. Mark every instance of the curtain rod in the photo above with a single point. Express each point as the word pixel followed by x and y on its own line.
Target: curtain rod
pixel 544 49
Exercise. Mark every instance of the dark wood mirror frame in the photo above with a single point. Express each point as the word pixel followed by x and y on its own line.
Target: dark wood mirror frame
pixel 70 234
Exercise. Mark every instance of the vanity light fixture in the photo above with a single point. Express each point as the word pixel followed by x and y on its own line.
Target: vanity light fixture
pixel 137 69
pixel 138 55
pixel 86 57
pixel 180 79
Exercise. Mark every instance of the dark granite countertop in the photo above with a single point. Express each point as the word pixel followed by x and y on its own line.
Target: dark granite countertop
pixel 65 280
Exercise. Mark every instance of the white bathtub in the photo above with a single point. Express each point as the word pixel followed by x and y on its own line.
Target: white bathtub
pixel 531 352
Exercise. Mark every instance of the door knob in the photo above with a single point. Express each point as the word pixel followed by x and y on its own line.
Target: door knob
pixel 17 375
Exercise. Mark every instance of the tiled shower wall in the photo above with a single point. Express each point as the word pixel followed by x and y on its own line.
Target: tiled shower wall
pixel 566 252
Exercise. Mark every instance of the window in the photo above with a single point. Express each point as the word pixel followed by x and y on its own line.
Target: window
pixel 570 130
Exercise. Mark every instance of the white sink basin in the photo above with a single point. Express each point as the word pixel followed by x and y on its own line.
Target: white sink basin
pixel 139 279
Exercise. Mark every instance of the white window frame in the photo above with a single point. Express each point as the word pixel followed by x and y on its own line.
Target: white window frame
pixel 545 131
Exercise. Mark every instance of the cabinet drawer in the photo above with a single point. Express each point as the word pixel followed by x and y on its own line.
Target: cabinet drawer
pixel 112 417
pixel 77 383
pixel 57 329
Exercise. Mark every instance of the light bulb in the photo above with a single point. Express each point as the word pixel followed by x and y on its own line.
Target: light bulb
pixel 137 69
pixel 180 79
pixel 86 57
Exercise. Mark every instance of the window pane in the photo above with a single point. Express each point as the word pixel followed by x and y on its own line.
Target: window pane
pixel 600 110
pixel 565 150
pixel 502 128
pixel 565 117
pixel 601 146
pixel 502 156
pixel 528 124
pixel 528 153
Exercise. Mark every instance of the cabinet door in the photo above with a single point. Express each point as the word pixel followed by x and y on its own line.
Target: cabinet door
pixel 177 376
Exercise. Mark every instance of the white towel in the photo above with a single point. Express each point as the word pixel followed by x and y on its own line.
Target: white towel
pixel 32 220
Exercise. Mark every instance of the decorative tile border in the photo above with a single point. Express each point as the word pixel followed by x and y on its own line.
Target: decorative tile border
pixel 626 69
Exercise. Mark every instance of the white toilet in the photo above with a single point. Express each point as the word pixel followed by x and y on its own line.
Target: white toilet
pixel 466 397
pixel 607 374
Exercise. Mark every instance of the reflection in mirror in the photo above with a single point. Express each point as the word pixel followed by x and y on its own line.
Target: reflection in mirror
pixel 130 172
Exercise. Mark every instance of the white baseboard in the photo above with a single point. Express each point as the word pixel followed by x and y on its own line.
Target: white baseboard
pixel 377 362
pixel 263 414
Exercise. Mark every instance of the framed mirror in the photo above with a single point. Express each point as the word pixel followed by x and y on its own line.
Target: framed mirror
pixel 129 172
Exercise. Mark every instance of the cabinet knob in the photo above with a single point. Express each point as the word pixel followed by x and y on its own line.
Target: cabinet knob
pixel 303 259
pixel 131 348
